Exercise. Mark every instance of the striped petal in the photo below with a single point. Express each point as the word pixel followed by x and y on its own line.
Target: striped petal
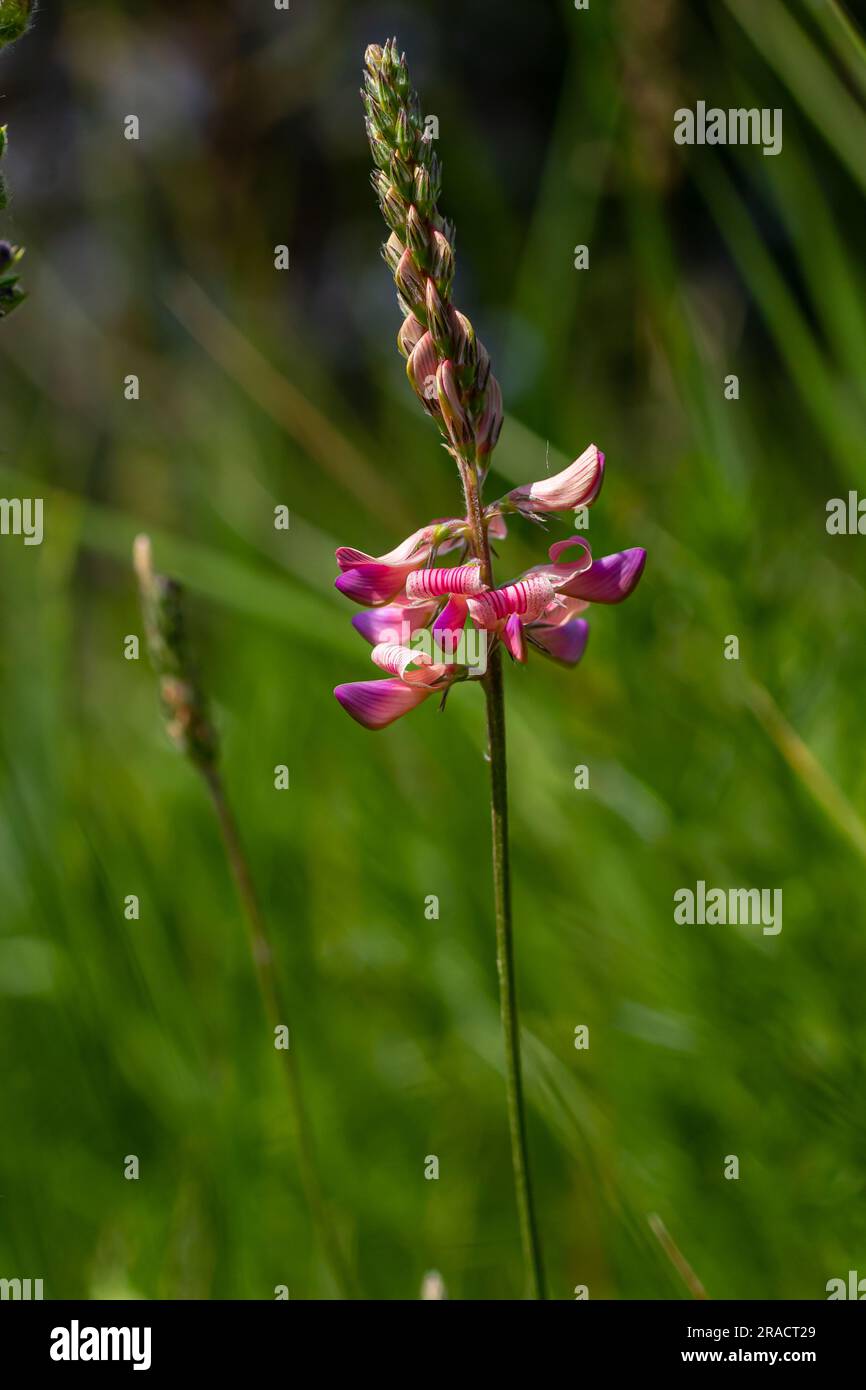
pixel 566 643
pixel 376 704
pixel 436 583
pixel 413 667
pixel 527 597
pixel 610 579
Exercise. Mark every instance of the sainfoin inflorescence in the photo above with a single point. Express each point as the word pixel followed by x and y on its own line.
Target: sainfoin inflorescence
pixel 412 592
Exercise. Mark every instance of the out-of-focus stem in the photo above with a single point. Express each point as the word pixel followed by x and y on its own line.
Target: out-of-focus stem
pixel 494 693
pixel 263 960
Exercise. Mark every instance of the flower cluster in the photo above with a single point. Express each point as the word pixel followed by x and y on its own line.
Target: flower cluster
pixel 408 595
pixel 420 608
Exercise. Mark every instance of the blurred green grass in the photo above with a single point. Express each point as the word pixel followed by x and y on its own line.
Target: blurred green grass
pixel 147 1037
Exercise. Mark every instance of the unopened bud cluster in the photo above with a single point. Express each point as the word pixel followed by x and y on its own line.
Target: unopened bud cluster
pixel 14 20
pixel 11 295
pixel 183 701
pixel 448 367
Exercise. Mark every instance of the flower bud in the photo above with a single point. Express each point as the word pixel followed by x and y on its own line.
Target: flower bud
pixel 411 283
pixel 451 405
pixel 401 175
pixel 392 251
pixel 442 264
pixel 438 320
pixel 421 369
pixel 409 335
pixel 373 55
pixel 489 424
pixel 392 205
pixel 421 192
pixel 405 135
pixel 418 237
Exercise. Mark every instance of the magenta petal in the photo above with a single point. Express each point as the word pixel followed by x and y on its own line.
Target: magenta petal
pixel 453 616
pixel 512 636
pixel 394 623
pixel 610 579
pixel 565 643
pixel 372 584
pixel 376 704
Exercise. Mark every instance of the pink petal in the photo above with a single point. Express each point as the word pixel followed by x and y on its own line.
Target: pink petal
pixel 436 583
pixel 413 667
pixel 373 583
pixel 376 704
pixel 528 597
pixel 453 616
pixel 560 612
pixel 610 579
pixel 565 643
pixel 394 623
pixel 512 636
pixel 578 485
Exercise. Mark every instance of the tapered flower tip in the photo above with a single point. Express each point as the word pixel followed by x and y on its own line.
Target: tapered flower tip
pixel 14 19
pixel 578 485
pixel 376 704
pixel 512 636
pixel 372 584
pixel 610 579
pixel 565 643
pixel 394 623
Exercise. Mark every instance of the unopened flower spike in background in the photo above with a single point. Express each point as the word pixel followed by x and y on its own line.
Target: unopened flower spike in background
pixel 15 16
pixel 191 729
pixel 409 592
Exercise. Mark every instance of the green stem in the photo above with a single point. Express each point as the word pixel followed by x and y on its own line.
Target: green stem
pixel 263 960
pixel 495 698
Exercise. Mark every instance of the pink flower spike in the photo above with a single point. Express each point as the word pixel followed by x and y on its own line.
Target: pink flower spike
pixel 512 636
pixel 436 583
pixel 376 704
pixel 528 597
pixel 394 623
pixel 566 643
pixel 578 485
pixel 610 579
pixel 415 668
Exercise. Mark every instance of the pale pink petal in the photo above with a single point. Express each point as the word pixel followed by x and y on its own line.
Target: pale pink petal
pixel 375 704
pixel 565 643
pixel 562 611
pixel 413 667
pixel 444 535
pixel 578 485
pixel 512 637
pixel 610 579
pixel 497 528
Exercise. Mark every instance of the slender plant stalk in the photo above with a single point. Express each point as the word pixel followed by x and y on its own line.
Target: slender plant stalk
pixel 449 369
pixel 190 727
pixel 277 1015
pixel 497 754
